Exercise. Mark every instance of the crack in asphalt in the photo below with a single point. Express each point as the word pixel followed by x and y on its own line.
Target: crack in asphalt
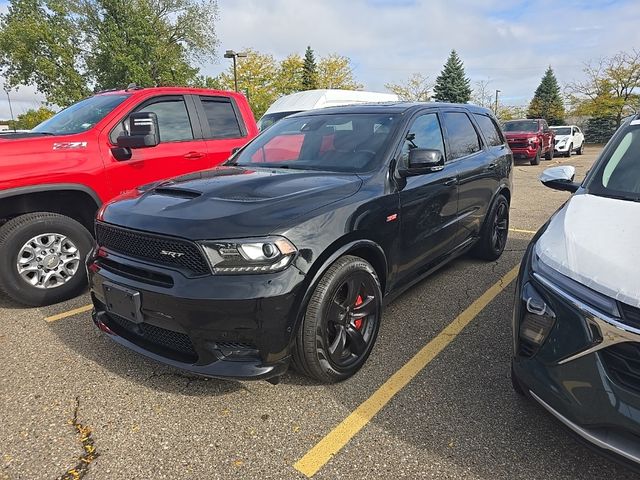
pixel 88 447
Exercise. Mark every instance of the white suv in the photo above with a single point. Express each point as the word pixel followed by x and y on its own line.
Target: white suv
pixel 569 139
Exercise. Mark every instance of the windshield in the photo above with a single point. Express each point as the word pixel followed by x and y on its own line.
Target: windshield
pixel 618 176
pixel 268 120
pixel 521 126
pixel 562 131
pixel 342 143
pixel 80 116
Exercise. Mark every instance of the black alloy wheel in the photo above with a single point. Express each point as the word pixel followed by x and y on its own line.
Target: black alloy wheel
pixel 495 231
pixel 341 322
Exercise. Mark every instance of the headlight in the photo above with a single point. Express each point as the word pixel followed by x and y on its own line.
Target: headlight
pixel 561 143
pixel 251 255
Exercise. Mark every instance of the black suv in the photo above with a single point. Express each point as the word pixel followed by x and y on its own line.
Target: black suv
pixel 287 252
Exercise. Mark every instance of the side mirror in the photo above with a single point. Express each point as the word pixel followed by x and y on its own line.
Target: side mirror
pixel 560 178
pixel 421 161
pixel 143 131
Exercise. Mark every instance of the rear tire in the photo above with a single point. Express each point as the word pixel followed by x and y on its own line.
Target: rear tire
pixel 536 159
pixel 341 322
pixel 495 231
pixel 42 258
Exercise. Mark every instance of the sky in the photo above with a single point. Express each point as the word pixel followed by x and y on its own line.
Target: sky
pixel 510 43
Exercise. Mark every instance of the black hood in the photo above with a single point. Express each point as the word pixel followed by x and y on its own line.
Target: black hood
pixel 230 202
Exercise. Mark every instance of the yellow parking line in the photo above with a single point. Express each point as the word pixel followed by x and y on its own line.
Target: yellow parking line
pixel 69 313
pixel 518 230
pixel 331 444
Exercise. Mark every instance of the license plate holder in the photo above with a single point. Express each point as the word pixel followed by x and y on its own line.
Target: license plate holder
pixel 123 302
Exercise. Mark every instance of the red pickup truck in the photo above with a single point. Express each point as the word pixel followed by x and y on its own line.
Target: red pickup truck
pixel 54 178
pixel 530 139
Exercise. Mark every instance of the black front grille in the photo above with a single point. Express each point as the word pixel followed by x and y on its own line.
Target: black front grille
pixel 178 253
pixel 149 336
pixel 630 315
pixel 622 362
pixel 517 145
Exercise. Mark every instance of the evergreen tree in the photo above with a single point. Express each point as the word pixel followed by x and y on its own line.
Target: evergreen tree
pixel 309 71
pixel 452 85
pixel 547 102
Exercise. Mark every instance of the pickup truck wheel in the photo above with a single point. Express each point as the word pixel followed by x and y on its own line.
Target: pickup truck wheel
pixel 42 258
pixel 494 233
pixel 549 154
pixel 569 151
pixel 580 150
pixel 341 322
pixel 536 159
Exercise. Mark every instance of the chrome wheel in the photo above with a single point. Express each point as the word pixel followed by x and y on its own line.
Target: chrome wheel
pixel 48 260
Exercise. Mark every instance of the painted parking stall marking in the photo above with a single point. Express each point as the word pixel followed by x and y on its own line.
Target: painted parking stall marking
pixel 69 313
pixel 335 440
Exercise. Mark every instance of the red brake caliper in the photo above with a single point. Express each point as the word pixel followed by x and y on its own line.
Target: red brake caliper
pixel 358 321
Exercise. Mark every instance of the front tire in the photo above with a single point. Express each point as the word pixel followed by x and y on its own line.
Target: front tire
pixel 570 151
pixel 493 237
pixel 536 159
pixel 549 154
pixel 581 149
pixel 42 258
pixel 341 322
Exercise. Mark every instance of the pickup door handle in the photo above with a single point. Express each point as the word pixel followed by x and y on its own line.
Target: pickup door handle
pixel 194 155
pixel 451 181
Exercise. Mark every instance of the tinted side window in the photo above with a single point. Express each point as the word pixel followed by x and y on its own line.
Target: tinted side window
pixel 489 129
pixel 221 117
pixel 173 120
pixel 425 132
pixel 463 138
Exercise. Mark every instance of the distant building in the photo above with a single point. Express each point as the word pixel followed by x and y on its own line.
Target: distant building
pixel 4 127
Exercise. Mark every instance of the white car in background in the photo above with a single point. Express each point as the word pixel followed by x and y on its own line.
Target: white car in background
pixel 569 139
pixel 321 98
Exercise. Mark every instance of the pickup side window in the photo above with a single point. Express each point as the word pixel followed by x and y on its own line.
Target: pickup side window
pixel 489 129
pixel 425 132
pixel 462 135
pixel 173 119
pixel 222 118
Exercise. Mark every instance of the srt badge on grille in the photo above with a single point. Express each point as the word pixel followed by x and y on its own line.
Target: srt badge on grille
pixel 171 254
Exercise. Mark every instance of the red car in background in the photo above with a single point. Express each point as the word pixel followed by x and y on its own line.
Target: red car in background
pixel 54 178
pixel 530 139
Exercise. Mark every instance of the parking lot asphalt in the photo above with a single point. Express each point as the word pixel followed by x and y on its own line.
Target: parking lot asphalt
pixel 76 405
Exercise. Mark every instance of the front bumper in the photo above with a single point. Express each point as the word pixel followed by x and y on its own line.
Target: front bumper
pixel 217 326
pixel 524 153
pixel 562 149
pixel 593 395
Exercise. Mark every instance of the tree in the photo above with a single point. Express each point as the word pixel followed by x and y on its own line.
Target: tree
pixel 309 71
pixel 546 102
pixel 482 94
pixel 452 85
pixel 611 88
pixel 31 118
pixel 335 71
pixel 417 88
pixel 67 49
pixel 511 112
pixel 257 77
pixel 290 75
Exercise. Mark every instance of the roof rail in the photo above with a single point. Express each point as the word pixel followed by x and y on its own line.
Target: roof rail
pixel 133 86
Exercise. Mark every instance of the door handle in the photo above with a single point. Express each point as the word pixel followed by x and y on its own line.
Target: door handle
pixel 492 165
pixel 451 181
pixel 194 155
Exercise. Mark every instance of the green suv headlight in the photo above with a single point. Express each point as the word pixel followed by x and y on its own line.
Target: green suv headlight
pixel 251 255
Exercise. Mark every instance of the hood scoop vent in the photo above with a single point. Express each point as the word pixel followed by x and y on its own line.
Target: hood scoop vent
pixel 176 192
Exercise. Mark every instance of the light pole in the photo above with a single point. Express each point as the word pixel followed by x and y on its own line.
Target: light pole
pixel 13 122
pixel 496 107
pixel 234 55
